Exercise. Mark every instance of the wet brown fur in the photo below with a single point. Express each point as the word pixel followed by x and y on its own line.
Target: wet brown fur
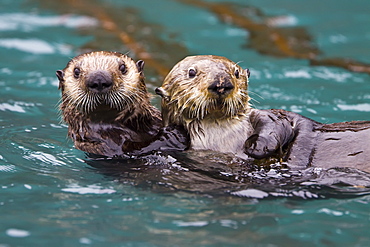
pixel 113 122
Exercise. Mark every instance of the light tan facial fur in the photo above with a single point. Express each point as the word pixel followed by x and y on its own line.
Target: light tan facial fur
pixel 187 97
pixel 127 86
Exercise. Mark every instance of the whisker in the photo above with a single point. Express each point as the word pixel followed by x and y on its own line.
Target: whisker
pixel 256 94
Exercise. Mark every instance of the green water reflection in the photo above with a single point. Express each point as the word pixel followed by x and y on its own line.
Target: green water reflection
pixel 50 195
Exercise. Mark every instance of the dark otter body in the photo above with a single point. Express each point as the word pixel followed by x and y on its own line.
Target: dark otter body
pixel 106 105
pixel 303 142
pixel 207 95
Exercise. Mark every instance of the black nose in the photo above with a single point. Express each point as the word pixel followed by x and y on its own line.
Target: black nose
pixel 221 87
pixel 99 82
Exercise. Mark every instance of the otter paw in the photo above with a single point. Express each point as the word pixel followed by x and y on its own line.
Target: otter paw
pixel 259 147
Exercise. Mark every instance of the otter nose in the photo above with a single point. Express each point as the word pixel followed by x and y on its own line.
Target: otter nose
pixel 221 87
pixel 99 82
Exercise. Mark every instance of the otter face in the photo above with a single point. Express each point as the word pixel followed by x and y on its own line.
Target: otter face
pixel 109 79
pixel 204 87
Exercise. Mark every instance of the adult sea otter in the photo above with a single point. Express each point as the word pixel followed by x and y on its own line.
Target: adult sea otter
pixel 107 107
pixel 207 95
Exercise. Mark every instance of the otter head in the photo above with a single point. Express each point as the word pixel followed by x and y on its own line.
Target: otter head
pixel 204 88
pixel 107 82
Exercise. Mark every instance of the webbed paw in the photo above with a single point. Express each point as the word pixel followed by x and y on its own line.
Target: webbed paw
pixel 259 147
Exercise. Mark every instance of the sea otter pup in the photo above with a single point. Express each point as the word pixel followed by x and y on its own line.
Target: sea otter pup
pixel 106 104
pixel 208 96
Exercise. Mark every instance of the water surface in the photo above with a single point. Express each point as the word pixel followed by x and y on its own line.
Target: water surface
pixel 52 194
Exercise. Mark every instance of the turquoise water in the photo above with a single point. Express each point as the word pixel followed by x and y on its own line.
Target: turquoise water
pixel 52 195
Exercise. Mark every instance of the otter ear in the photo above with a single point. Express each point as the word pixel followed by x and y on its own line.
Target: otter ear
pixel 60 75
pixel 140 65
pixel 160 91
pixel 247 73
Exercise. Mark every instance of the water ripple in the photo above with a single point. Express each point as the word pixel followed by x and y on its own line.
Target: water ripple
pixel 44 158
pixel 30 22
pixel 17 233
pixel 90 189
pixel 13 108
pixel 7 168
pixel 364 107
pixel 34 46
pixel 331 74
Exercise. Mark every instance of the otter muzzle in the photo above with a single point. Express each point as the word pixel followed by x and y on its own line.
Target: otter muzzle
pixel 221 87
pixel 99 82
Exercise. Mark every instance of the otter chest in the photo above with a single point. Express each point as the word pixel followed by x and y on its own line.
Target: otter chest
pixel 226 136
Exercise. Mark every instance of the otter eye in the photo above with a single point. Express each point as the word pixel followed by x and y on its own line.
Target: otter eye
pixel 247 72
pixel 192 73
pixel 122 68
pixel 236 73
pixel 76 73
